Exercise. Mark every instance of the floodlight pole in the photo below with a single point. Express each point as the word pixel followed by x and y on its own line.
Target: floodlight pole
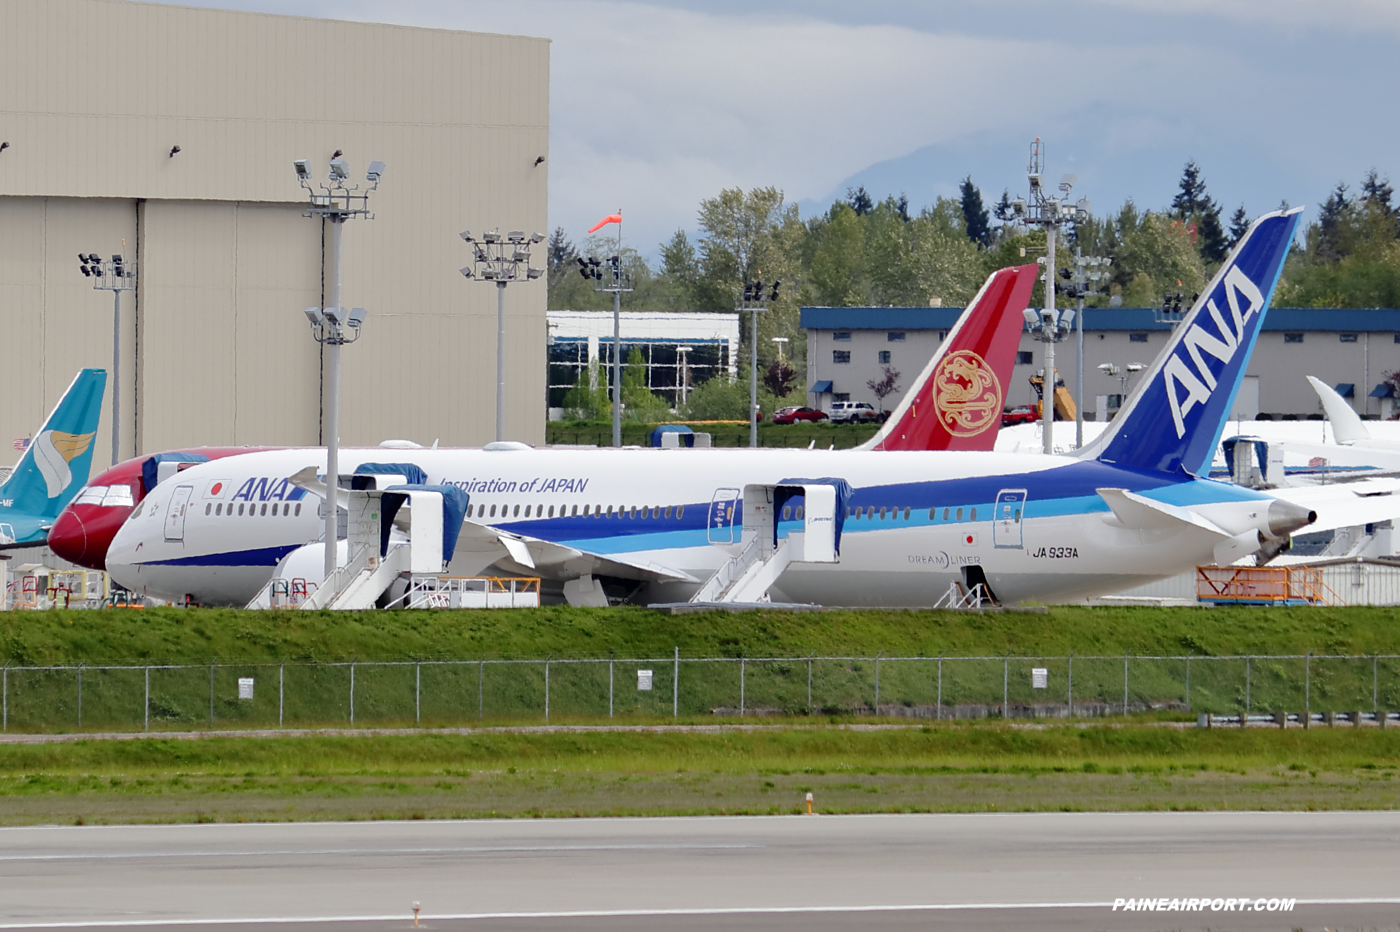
pixel 115 276
pixel 1085 280
pixel 754 300
pixel 501 259
pixel 335 202
pixel 618 281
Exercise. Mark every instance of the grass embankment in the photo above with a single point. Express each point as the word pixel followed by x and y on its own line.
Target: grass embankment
pixel 722 434
pixel 469 693
pixel 938 769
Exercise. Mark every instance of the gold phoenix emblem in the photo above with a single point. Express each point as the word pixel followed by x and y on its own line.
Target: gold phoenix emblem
pixel 966 394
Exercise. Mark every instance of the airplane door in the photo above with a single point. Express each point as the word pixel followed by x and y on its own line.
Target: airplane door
pixel 1006 518
pixel 723 507
pixel 175 517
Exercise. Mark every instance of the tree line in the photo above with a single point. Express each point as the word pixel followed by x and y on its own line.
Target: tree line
pixel 863 252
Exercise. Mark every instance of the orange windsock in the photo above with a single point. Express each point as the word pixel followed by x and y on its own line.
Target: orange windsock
pixel 610 218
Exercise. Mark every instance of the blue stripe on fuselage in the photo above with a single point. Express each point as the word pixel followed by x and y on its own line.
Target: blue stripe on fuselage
pixel 263 556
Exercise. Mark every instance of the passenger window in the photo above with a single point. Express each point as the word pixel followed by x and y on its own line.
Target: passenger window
pixel 633 513
pixel 575 514
pixel 882 514
pixel 286 509
pixel 527 511
pixel 240 509
pixel 493 511
pixel 297 513
pixel 207 508
pixel 668 512
pixel 264 509
pixel 551 511
pixel 933 514
pixel 680 511
pixel 800 509
pixel 974 515
pixel 959 514
pixel 1018 516
pixel 517 512
pixel 906 514
pixel 218 509
pixel 610 509
pixel 945 514
pixel 539 511
pixel 787 512
pixel 848 511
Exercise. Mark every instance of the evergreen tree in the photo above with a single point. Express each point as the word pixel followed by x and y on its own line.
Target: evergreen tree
pixel 1003 210
pixel 902 206
pixel 1214 246
pixel 860 201
pixel 1377 192
pixel 1332 221
pixel 1192 193
pixel 1239 225
pixel 976 222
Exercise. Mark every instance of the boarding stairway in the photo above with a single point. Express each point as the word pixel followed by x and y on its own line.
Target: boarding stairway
pixel 816 509
pixel 394 528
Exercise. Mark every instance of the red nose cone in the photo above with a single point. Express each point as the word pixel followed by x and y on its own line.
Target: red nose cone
pixel 68 539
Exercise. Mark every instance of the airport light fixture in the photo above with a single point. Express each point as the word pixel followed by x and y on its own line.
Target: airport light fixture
pixel 1049 211
pixel 335 201
pixel 116 276
pixel 501 259
pixel 1124 376
pixel 682 355
pixel 782 342
pixel 616 281
pixel 1089 276
pixel 755 299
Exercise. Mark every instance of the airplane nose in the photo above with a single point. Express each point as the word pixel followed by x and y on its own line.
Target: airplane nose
pixel 68 538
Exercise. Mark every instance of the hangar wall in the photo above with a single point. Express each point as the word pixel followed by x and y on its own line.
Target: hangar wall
pixel 94 94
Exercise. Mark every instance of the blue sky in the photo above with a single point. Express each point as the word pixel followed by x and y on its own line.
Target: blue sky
pixel 1275 99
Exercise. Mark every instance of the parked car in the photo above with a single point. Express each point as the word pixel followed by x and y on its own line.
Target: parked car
pixel 854 411
pixel 1021 414
pixel 793 414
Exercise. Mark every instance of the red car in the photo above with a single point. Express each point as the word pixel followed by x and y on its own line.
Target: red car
pixel 794 414
pixel 1023 414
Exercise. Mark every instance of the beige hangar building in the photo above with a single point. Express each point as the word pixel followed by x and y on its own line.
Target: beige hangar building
pixel 168 133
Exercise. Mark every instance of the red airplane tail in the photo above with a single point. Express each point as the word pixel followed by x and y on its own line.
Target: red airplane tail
pixel 956 402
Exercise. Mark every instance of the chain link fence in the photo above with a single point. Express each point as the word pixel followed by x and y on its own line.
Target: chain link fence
pixel 56 699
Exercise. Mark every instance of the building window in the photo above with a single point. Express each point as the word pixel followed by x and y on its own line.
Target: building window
pixel 1293 338
pixel 842 336
pixel 841 396
pixel 1114 401
pixel 884 356
pixel 1347 337
pixel 1025 358
pixel 1137 338
pixel 840 356
pixel 895 336
pixel 943 335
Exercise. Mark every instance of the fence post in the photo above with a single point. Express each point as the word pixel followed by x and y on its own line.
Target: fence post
pixel 1069 696
pixel 741 685
pixel 546 690
pixel 1125 684
pixel 1307 690
pixel 480 688
pixel 80 695
pixel 1188 682
pixel 612 658
pixel 1005 687
pixel 417 693
pixel 211 694
pixel 5 689
pixel 352 692
pixel 676 686
pixel 809 685
pixel 1375 683
pixel 281 675
pixel 938 712
pixel 148 699
pixel 877 683
pixel 1246 688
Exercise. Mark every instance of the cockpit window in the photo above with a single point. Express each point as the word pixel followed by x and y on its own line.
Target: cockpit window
pixel 137 512
pixel 92 495
pixel 118 495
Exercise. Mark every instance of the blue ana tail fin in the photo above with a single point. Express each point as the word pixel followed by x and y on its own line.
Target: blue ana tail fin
pixel 1174 421
pixel 56 464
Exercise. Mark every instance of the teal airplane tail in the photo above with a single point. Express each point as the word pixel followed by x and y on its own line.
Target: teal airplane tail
pixel 55 465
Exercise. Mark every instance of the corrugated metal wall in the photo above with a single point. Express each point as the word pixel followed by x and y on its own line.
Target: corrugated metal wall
pixel 93 95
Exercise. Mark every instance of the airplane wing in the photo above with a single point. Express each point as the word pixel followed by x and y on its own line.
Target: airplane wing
pixel 531 554
pixel 1366 501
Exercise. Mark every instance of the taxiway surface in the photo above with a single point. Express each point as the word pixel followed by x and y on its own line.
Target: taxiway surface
pixel 892 872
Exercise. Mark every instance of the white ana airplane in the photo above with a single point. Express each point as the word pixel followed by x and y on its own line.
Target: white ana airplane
pixel 872 528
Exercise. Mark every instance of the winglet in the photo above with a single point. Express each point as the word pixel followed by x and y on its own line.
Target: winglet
pixel 1347 426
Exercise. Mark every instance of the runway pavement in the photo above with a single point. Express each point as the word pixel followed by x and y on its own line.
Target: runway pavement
pixel 813 874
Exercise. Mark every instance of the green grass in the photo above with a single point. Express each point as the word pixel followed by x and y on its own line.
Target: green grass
pixel 204 635
pixel 945 768
pixel 825 434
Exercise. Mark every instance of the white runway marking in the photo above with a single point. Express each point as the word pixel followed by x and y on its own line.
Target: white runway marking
pixel 631 913
pixel 498 849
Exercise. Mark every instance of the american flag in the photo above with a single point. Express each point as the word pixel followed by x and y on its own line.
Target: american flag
pixel 21 443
